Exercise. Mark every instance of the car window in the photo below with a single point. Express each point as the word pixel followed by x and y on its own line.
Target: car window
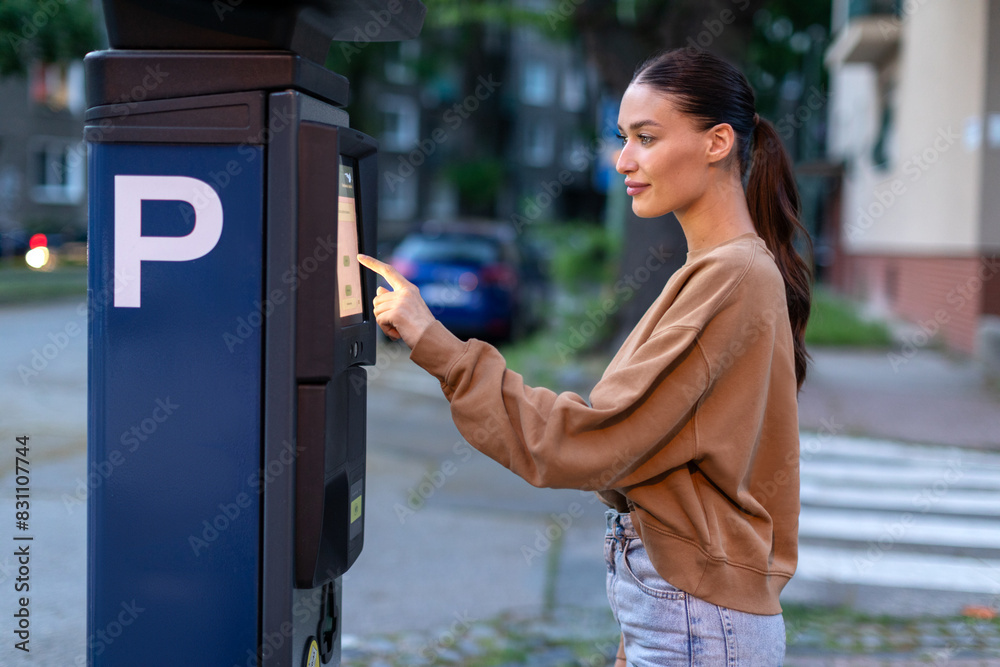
pixel 449 248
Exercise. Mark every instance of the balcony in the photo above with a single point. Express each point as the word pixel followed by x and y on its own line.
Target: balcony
pixel 869 35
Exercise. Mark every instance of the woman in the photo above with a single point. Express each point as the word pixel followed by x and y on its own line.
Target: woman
pixel 691 435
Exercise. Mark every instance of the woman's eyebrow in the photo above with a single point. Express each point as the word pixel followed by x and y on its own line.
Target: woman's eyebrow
pixel 641 124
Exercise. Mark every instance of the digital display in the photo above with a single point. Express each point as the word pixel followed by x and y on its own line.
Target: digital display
pixel 348 269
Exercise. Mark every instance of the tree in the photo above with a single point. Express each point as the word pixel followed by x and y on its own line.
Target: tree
pixel 44 30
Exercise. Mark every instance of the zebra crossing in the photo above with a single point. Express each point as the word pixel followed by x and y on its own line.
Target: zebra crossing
pixel 880 513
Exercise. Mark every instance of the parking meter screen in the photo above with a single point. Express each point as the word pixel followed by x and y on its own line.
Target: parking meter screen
pixel 348 270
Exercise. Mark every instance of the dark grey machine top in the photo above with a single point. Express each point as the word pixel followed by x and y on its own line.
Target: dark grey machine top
pixel 305 27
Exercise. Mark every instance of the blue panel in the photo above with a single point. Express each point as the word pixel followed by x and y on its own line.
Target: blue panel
pixel 175 422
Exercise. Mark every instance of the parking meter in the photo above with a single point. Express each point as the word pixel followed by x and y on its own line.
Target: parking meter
pixel 229 327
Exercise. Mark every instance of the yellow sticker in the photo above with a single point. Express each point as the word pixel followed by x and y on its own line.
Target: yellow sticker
pixel 356 509
pixel 312 654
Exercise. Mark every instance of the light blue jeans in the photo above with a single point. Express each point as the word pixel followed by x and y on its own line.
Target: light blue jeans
pixel 664 626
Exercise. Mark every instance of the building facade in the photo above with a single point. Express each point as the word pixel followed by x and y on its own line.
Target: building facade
pixel 43 183
pixel 915 121
pixel 505 129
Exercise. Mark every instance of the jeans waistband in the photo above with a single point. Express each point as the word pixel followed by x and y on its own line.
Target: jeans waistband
pixel 619 524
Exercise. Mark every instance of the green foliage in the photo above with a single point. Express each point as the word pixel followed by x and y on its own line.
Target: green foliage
pixel 19 284
pixel 846 631
pixel 835 321
pixel 572 347
pixel 583 254
pixel 477 181
pixel 457 13
pixel 789 38
pixel 47 30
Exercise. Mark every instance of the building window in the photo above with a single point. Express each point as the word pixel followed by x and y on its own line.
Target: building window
pixel 537 84
pixel 400 122
pixel 443 204
pixel 399 202
pixel 540 144
pixel 60 86
pixel 883 148
pixel 577 156
pixel 574 90
pixel 56 169
pixel 401 68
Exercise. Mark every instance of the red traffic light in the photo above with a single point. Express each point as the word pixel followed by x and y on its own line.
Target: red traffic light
pixel 38 241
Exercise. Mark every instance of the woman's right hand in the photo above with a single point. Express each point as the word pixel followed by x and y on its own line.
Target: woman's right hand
pixel 401 312
pixel 620 657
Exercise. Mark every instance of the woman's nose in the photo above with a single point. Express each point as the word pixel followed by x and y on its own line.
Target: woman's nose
pixel 625 164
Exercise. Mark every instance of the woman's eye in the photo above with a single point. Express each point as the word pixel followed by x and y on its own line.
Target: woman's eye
pixel 644 139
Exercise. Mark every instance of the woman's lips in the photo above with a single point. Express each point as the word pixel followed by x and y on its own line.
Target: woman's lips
pixel 634 187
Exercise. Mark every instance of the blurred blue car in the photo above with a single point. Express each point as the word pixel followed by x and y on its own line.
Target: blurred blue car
pixel 480 279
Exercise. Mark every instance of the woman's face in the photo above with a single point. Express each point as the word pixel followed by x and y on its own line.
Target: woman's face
pixel 664 157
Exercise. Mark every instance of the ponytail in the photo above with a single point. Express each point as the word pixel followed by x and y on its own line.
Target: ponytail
pixel 773 200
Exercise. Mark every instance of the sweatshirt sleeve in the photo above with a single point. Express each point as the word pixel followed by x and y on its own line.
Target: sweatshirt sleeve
pixel 623 437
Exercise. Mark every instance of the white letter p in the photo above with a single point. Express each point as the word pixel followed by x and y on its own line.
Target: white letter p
pixel 132 248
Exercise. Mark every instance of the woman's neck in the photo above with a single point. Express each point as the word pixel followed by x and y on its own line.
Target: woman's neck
pixel 720 214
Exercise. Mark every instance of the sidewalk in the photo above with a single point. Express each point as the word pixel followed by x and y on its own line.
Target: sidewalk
pixel 929 397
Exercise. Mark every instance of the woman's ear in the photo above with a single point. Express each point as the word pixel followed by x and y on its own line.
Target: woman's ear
pixel 721 139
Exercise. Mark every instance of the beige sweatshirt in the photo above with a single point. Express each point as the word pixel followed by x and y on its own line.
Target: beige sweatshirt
pixel 693 427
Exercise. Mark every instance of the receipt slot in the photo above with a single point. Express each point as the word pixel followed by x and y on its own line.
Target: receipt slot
pixel 230 327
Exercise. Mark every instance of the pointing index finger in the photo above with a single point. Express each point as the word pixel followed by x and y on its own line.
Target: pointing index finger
pixel 390 274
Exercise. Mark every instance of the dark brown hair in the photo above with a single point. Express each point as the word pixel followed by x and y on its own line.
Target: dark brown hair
pixel 712 91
